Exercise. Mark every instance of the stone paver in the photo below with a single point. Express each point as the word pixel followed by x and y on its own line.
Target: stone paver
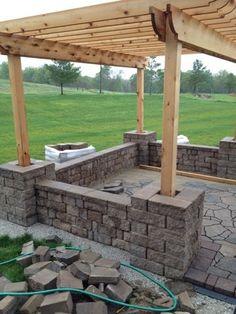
pixel 57 302
pixel 120 291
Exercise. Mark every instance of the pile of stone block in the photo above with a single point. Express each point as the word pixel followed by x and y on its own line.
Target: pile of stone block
pixel 61 268
pixel 115 187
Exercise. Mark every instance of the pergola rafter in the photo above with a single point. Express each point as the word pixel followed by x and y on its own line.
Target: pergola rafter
pixel 124 33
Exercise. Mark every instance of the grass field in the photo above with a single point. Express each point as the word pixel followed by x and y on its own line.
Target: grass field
pixel 101 119
pixel 11 248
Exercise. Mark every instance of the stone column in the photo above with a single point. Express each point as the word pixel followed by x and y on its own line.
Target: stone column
pixel 169 230
pixel 226 166
pixel 17 191
pixel 143 140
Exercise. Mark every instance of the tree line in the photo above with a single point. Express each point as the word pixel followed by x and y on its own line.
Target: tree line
pixel 197 80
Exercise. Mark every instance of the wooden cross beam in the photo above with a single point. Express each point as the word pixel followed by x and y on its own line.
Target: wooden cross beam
pixel 47 49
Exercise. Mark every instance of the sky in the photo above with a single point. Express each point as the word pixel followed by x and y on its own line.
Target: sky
pixel 21 8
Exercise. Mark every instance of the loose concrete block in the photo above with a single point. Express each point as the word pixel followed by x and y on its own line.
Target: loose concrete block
pixel 120 292
pixel 35 268
pixel 57 302
pixel 8 305
pixel 109 263
pixel 3 282
pixel 24 261
pixel 66 280
pixel 91 308
pixel 68 257
pixel 80 270
pixel 53 238
pixel 43 280
pixel 57 266
pixel 97 291
pixel 87 256
pixel 103 274
pixel 16 287
pixel 27 248
pixel 41 254
pixel 31 305
pixel 185 303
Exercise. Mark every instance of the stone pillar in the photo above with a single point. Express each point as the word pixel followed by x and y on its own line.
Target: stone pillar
pixel 226 166
pixel 167 232
pixel 143 140
pixel 17 191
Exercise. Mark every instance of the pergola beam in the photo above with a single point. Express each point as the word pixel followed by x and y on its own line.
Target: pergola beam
pixel 17 91
pixel 113 10
pixel 140 100
pixel 198 37
pixel 39 48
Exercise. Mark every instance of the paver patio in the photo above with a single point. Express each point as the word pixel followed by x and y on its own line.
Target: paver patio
pixel 215 265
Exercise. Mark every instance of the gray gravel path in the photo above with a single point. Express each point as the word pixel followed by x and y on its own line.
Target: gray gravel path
pixel 203 304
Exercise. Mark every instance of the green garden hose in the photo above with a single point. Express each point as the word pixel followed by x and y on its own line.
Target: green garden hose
pixel 105 299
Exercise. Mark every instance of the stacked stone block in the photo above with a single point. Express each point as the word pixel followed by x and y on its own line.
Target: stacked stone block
pixel 226 166
pixel 17 192
pixel 143 140
pixel 193 158
pixel 161 233
pixel 171 230
pixel 84 171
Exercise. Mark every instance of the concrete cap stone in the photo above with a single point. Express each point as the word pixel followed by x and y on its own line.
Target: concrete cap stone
pixel 57 302
pixel 103 274
pixel 43 280
pixel 27 247
pixel 8 305
pixel 105 262
pixel 88 256
pixel 21 286
pixel 91 308
pixel 34 268
pixel 80 270
pixel 41 254
pixel 68 257
pixel 120 292
pixel 32 304
pixel 66 280
pixel 97 291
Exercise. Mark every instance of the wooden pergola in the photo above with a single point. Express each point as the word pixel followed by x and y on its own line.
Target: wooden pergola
pixel 123 33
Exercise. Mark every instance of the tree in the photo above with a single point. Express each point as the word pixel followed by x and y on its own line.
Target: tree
pixel 103 77
pixel 4 73
pixel 151 73
pixel 198 75
pixel 62 72
pixel 230 82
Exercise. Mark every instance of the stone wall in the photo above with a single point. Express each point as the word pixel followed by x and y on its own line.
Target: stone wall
pixel 142 140
pixel 91 168
pixel 161 233
pixel 17 192
pixel 227 158
pixel 193 158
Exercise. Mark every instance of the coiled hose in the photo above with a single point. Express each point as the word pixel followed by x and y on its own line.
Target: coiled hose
pixel 88 293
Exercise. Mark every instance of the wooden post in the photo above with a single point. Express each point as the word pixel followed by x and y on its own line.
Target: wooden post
pixel 170 113
pixel 140 99
pixel 17 91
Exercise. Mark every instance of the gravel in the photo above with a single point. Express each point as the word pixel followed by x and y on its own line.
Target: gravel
pixel 203 304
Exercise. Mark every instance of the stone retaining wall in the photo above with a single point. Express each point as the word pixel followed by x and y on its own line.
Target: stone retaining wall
pixel 227 158
pixel 86 170
pixel 193 158
pixel 161 233
pixel 17 191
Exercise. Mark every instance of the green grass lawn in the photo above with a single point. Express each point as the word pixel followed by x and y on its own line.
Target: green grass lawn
pixel 101 120
pixel 11 248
